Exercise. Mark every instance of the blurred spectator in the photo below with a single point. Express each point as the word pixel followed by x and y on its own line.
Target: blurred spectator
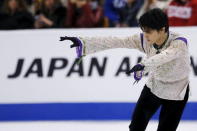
pixel 29 2
pixel 148 5
pixel 129 12
pixel 182 13
pixel 163 4
pixel 49 14
pixel 97 9
pixel 64 2
pixel 14 15
pixel 83 14
pixel 112 11
pixel 36 7
pixel 1 3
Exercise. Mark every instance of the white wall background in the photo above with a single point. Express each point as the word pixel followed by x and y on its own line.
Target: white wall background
pixel 45 45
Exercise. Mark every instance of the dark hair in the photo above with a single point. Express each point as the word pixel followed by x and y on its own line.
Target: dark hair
pixel 154 19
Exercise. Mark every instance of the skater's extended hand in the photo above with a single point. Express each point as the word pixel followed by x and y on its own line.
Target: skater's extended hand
pixel 76 42
pixel 138 72
pixel 138 67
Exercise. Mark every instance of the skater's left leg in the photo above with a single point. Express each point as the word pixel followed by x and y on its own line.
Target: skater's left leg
pixel 171 112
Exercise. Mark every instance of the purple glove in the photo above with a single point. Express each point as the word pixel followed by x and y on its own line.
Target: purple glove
pixel 76 43
pixel 138 67
pixel 138 72
pixel 138 75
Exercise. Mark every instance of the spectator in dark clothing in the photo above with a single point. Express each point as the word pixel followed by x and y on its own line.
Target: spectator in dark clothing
pixel 82 14
pixel 14 15
pixel 1 3
pixel 29 2
pixel 129 12
pixel 51 14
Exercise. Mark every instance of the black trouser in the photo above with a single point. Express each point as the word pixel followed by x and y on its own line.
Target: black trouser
pixel 148 104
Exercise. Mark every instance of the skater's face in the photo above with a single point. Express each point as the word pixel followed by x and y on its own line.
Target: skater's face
pixel 153 36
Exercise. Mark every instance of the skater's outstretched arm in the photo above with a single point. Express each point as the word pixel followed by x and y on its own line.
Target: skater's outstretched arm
pixel 89 45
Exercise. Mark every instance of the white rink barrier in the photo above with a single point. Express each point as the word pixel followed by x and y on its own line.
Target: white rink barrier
pixel 39 79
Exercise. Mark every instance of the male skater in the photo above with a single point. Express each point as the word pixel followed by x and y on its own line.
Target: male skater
pixel 167 62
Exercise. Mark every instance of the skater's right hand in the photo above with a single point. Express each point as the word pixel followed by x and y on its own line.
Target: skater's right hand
pixel 138 67
pixel 138 72
pixel 76 42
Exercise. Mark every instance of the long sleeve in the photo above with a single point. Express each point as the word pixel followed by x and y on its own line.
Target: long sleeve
pixel 177 49
pixel 96 44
